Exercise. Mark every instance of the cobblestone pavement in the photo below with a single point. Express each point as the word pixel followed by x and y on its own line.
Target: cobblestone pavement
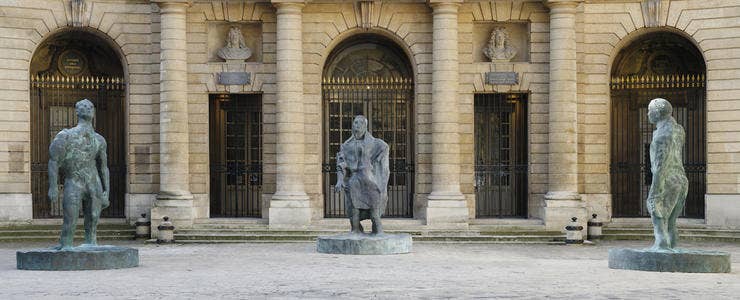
pixel 436 271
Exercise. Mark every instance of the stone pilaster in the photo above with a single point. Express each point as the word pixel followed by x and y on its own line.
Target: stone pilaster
pixel 174 198
pixel 562 200
pixel 446 205
pixel 289 206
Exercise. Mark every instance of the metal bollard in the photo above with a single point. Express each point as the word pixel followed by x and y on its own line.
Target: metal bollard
pixel 573 233
pixel 142 227
pixel 166 231
pixel 594 228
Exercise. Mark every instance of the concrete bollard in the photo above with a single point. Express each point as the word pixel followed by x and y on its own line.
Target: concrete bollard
pixel 142 227
pixel 594 228
pixel 573 233
pixel 166 231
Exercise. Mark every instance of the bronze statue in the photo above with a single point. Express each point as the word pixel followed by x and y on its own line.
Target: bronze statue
pixel 362 173
pixel 669 187
pixel 81 155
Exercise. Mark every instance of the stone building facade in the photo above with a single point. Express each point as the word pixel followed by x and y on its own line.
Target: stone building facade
pixel 498 110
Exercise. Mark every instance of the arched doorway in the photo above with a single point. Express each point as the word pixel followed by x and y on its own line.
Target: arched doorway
pixel 656 65
pixel 370 75
pixel 67 67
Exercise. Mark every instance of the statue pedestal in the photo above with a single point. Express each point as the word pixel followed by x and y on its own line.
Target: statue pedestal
pixel 364 244
pixel 78 258
pixel 680 260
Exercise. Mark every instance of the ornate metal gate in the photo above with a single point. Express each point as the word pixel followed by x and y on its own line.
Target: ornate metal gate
pixel 501 155
pixel 236 155
pixel 52 109
pixel 631 135
pixel 387 102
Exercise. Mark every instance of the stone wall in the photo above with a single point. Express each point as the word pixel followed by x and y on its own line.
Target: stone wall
pixel 608 26
pixel 533 79
pixel 23 26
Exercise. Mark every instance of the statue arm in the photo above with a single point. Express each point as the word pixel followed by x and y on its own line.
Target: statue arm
pixel 384 167
pixel 55 152
pixel 341 168
pixel 104 172
pixel 659 155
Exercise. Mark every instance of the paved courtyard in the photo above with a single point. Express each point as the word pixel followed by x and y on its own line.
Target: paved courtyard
pixel 436 271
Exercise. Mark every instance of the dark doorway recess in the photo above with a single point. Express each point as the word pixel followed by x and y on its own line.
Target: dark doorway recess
pixel 370 75
pixel 66 68
pixel 657 65
pixel 501 166
pixel 235 155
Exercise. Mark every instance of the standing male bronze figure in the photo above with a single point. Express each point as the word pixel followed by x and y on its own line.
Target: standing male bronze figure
pixel 81 155
pixel 362 173
pixel 670 186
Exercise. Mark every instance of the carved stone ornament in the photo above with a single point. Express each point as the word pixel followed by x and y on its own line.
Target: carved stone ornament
pixel 499 46
pixel 79 12
pixel 235 48
pixel 651 12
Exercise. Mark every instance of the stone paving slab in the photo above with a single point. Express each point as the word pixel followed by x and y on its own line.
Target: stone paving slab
pixel 431 271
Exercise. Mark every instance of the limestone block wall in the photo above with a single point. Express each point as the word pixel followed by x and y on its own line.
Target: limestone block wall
pixel 325 25
pixel 533 79
pixel 608 26
pixel 202 81
pixel 23 26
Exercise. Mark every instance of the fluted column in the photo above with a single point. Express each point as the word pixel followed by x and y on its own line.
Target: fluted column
pixel 289 206
pixel 446 205
pixel 174 198
pixel 562 199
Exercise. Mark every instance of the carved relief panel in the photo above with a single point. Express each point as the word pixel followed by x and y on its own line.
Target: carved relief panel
pixel 234 41
pixel 501 42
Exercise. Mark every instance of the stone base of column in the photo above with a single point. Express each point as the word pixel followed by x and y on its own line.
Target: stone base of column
pixel 16 207
pixel 179 210
pixel 560 207
pixel 447 211
pixel 289 211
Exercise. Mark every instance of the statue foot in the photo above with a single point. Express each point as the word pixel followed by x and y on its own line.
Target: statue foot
pixel 62 247
pixel 658 248
pixel 355 231
pixel 88 245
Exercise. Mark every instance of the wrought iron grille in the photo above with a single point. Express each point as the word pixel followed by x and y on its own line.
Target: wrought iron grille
pixel 236 155
pixel 501 166
pixel 387 102
pixel 632 133
pixel 52 109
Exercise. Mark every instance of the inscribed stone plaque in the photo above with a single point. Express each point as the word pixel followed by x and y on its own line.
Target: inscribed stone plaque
pixel 508 78
pixel 234 78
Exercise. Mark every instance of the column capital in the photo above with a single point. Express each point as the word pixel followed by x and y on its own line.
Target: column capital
pixel 289 6
pixel 444 6
pixel 173 2
pixel 552 4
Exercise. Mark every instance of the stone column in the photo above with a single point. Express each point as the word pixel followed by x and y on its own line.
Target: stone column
pixel 562 200
pixel 289 207
pixel 174 198
pixel 446 205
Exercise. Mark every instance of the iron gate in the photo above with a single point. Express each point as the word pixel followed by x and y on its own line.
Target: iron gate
pixel 387 102
pixel 52 109
pixel 236 155
pixel 632 133
pixel 501 155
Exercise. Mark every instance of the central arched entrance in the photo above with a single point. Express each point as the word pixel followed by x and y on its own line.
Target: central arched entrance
pixel 370 75
pixel 656 65
pixel 67 67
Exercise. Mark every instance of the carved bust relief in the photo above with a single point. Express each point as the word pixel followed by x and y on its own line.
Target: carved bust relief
pixel 499 46
pixel 236 48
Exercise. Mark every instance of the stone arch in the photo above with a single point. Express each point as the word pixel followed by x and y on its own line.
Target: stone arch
pixel 69 64
pixel 649 63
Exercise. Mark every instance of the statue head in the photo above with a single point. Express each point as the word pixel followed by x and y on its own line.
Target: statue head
pixel 499 37
pixel 359 126
pixel 659 109
pixel 85 110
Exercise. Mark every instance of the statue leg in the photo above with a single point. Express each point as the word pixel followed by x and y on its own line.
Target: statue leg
pixel 355 221
pixel 377 225
pixel 680 200
pixel 71 211
pixel 92 215
pixel 660 232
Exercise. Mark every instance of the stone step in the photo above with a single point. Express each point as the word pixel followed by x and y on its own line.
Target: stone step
pixel 50 232
pixel 311 236
pixel 32 232
pixel 682 237
pixel 52 238
pixel 681 231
